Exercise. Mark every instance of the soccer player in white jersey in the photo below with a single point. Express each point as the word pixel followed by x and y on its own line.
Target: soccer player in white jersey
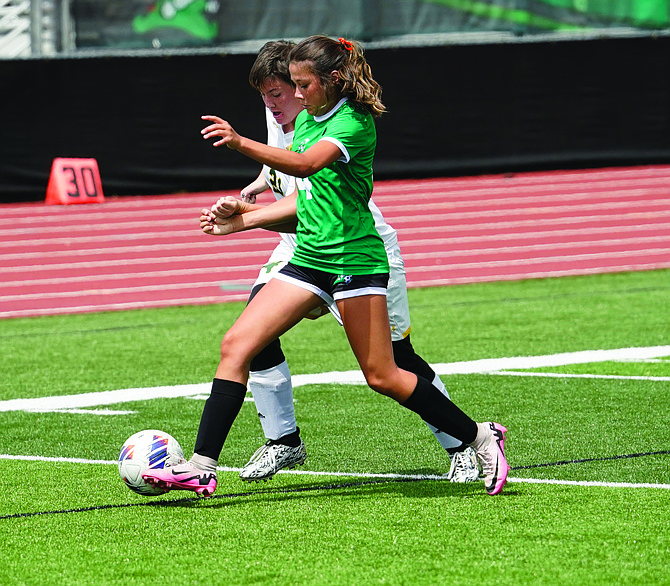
pixel 270 378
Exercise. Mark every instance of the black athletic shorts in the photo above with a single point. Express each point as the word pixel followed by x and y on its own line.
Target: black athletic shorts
pixel 333 287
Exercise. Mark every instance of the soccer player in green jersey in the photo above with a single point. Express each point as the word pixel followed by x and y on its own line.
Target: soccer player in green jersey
pixel 339 257
pixel 270 377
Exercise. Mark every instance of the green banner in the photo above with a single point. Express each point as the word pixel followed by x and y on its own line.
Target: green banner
pixel 171 23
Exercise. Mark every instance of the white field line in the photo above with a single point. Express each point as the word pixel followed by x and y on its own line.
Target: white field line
pixel 582 357
pixel 389 476
pixel 486 366
pixel 483 366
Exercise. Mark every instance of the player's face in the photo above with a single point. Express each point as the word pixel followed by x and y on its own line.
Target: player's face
pixel 279 97
pixel 309 90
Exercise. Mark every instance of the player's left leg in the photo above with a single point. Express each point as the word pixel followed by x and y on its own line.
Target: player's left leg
pixel 270 385
pixel 365 319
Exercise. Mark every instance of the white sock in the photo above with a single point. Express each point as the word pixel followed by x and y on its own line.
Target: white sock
pixel 446 441
pixel 273 395
pixel 483 435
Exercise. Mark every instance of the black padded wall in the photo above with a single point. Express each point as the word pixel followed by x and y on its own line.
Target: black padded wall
pixel 453 110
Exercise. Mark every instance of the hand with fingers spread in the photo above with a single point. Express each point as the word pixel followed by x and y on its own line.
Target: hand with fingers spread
pixel 222 129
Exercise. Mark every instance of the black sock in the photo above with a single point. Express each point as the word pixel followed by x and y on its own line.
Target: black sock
pixel 433 407
pixel 290 439
pixel 461 448
pixel 221 409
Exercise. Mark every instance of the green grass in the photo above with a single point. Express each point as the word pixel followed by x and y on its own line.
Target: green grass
pixel 64 522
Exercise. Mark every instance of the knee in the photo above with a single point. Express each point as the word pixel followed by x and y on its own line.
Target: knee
pixel 233 350
pixel 380 382
pixel 392 382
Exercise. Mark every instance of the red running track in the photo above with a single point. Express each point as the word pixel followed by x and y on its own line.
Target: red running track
pixel 136 252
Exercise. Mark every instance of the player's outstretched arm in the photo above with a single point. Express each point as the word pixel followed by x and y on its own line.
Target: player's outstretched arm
pixel 315 158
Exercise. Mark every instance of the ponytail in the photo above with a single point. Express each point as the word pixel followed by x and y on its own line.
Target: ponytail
pixel 346 57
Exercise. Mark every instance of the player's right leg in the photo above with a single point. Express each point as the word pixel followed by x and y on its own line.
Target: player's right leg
pixel 365 322
pixel 270 385
pixel 271 388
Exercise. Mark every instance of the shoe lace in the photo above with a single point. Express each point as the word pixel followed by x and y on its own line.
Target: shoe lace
pixel 456 463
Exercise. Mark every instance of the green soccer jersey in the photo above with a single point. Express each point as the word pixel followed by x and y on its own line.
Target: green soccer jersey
pixel 336 232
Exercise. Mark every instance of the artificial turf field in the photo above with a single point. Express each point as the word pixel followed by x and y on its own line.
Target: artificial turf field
pixel 589 446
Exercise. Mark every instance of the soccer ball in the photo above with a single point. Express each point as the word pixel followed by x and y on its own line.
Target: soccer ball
pixel 147 449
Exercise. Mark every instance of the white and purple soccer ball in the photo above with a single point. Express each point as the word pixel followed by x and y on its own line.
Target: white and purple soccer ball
pixel 146 449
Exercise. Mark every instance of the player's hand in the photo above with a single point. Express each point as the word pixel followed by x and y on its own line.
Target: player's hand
pixel 221 129
pixel 256 187
pixel 225 207
pixel 212 224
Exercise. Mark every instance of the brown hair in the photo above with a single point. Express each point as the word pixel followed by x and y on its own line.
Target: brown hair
pixel 345 57
pixel 271 62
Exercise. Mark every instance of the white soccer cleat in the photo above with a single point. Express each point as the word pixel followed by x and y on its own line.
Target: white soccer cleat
pixel 464 467
pixel 271 458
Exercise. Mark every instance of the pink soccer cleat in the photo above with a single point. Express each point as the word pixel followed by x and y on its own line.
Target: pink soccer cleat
pixel 184 476
pixel 491 454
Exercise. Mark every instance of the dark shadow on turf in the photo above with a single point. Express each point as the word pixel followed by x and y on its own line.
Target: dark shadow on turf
pixel 586 460
pixel 218 500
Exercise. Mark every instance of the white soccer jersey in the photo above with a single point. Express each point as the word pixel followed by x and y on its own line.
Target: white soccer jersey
pixel 280 183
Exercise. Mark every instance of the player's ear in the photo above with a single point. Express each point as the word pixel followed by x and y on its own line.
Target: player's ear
pixel 335 77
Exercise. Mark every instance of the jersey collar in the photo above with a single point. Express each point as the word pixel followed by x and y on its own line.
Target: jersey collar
pixel 331 112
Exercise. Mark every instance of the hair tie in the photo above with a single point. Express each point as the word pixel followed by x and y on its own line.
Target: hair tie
pixel 346 44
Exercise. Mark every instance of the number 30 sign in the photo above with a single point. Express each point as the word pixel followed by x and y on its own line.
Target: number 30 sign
pixel 74 181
